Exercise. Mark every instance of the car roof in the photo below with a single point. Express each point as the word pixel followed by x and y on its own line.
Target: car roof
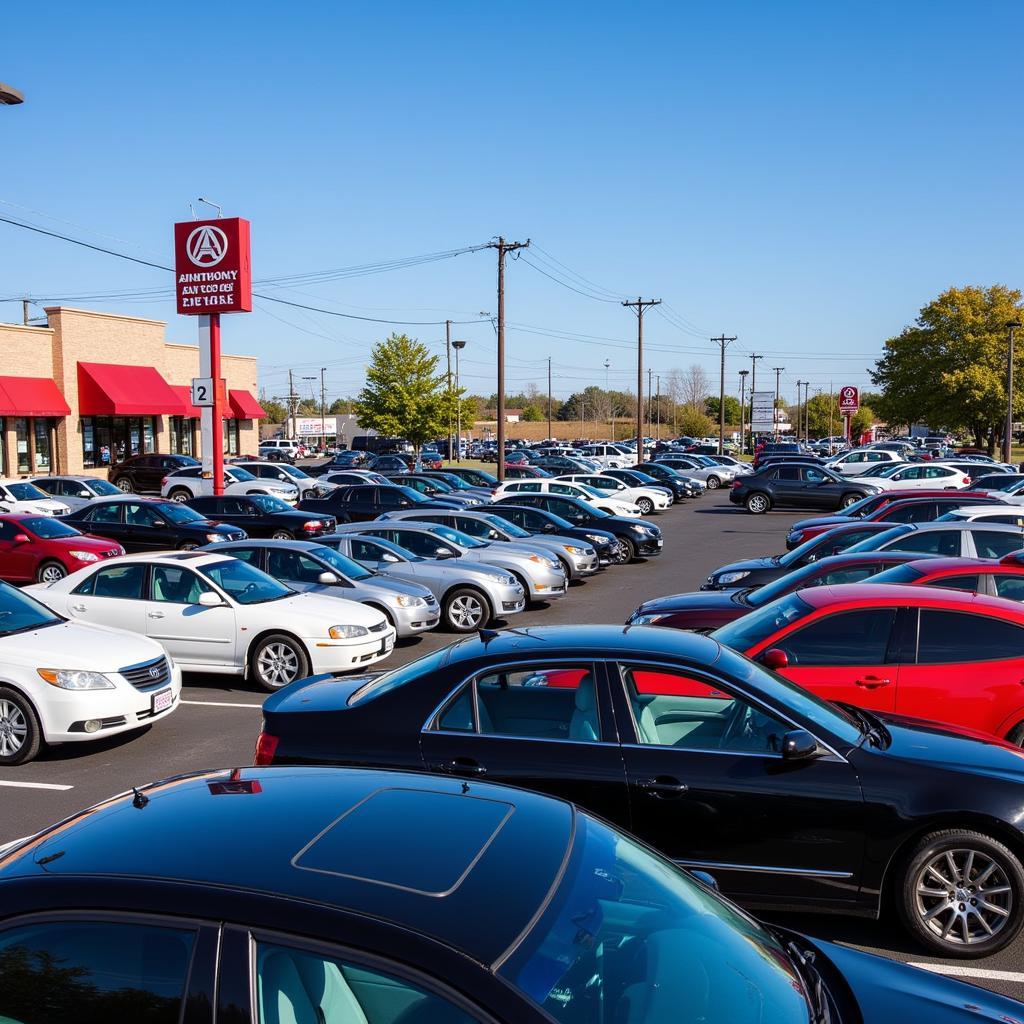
pixel 15 517
pixel 887 594
pixel 120 499
pixel 944 563
pixel 196 558
pixel 355 840
pixel 263 542
pixel 966 525
pixel 1002 508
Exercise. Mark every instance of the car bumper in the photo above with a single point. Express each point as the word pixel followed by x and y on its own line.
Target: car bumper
pixel 649 547
pixel 410 621
pixel 584 565
pixel 334 656
pixel 63 713
pixel 547 585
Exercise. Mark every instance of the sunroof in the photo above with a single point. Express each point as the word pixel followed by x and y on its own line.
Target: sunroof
pixel 424 842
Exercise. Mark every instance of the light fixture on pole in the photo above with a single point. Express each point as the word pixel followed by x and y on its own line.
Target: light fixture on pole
pixel 1008 437
pixel 9 96
pixel 459 346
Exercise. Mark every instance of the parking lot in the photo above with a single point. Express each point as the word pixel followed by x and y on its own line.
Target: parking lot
pixel 219 718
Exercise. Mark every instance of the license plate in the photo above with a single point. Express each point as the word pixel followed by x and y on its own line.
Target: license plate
pixel 162 701
pixel 386 644
pixel 660 542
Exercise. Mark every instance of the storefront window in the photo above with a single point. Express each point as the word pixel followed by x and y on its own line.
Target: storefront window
pixel 182 430
pixel 42 438
pixel 107 439
pixel 21 430
pixel 231 437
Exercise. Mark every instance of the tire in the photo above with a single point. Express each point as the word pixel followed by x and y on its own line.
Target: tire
pixel 625 551
pixel 180 494
pixel 124 484
pixel 188 545
pixel 713 482
pixel 20 735
pixel 465 610
pixel 306 495
pixel 645 505
pixel 962 859
pixel 50 572
pixel 281 535
pixel 758 503
pixel 848 499
pixel 276 661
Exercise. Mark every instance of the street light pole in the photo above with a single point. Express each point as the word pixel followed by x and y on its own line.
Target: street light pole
pixel 743 409
pixel 611 404
pixel 1008 438
pixel 459 346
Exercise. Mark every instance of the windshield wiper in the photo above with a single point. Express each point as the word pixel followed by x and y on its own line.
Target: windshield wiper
pixel 870 725
pixel 817 996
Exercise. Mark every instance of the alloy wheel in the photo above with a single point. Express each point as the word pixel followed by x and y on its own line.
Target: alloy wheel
pixel 277 664
pixel 466 612
pixel 51 572
pixel 13 728
pixel 125 485
pixel 757 503
pixel 963 896
pixel 623 552
pixel 646 506
pixel 280 535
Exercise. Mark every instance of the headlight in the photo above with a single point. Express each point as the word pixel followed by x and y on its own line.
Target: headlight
pixel 409 601
pixel 213 538
pixel 509 581
pixel 647 620
pixel 640 529
pixel 732 577
pixel 73 679
pixel 573 550
pixel 347 632
pixel 84 556
pixel 551 563
pixel 596 539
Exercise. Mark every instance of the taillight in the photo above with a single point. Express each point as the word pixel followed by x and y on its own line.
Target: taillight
pixel 266 747
pixel 737 483
pixel 163 483
pixel 312 526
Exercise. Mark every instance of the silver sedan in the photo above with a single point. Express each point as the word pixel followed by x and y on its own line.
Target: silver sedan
pixel 76 491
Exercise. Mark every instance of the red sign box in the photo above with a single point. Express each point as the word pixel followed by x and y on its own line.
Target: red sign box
pixel 849 400
pixel 213 266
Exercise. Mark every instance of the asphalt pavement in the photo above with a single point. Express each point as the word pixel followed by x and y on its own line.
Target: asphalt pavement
pixel 219 718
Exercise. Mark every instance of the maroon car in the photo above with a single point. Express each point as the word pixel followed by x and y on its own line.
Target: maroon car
pixel 705 610
pixel 517 471
pixel 42 549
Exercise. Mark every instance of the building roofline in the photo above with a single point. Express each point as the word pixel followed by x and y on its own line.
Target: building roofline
pixel 104 316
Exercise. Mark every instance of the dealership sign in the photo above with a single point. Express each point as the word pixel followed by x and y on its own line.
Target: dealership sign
pixel 212 266
pixel 849 400
pixel 762 411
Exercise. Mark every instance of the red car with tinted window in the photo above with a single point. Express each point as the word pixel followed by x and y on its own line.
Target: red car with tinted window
pixel 921 652
pixel 42 549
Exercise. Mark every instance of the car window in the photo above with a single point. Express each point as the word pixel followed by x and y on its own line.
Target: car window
pixel 365 551
pixel 672 709
pixel 358 494
pixel 1010 587
pixel 846 638
pixel 105 514
pixel 250 555
pixel 991 544
pixel 175 585
pixel 851 574
pixel 84 972
pixel 293 565
pixel 139 515
pixel 934 542
pixel 423 544
pixel 814 476
pixel 297 986
pixel 946 637
pixel 968 582
pixel 236 507
pixel 912 513
pixel 121 581
pixel 787 473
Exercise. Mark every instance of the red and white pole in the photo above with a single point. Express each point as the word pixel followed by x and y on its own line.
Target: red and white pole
pixel 217 433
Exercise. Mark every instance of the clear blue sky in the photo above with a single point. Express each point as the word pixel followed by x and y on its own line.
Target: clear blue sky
pixel 803 175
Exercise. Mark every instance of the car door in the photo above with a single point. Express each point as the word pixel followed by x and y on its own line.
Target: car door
pixel 708 787
pixel 114 595
pixel 817 488
pixel 845 656
pixel 542 724
pixel 18 560
pixel 146 529
pixel 194 635
pixel 787 487
pixel 106 520
pixel 358 502
pixel 148 472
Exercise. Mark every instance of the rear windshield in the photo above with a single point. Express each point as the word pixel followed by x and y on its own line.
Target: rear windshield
pixel 399 677
pixel 898 574
pixel 744 633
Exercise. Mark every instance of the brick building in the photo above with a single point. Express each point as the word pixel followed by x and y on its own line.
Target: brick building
pixel 91 388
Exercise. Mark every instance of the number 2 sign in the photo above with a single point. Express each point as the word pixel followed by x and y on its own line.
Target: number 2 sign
pixel 202 392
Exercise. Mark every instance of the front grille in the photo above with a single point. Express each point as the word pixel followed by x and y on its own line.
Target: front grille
pixel 380 627
pixel 149 675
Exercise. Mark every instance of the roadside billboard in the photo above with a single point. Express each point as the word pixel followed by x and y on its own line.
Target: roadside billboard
pixel 762 417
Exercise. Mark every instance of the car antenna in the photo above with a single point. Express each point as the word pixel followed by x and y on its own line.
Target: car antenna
pixel 489 634
pixel 141 799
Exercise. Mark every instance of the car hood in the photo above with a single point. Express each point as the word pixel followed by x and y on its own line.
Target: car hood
pixel 75 645
pixel 317 610
pixel 747 565
pixel 393 586
pixel 41 506
pixel 703 601
pixel 806 524
pixel 887 990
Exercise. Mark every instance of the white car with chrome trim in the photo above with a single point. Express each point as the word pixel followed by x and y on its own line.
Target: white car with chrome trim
pixel 565 489
pixel 646 499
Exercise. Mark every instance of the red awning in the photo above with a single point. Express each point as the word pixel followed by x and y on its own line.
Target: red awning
pixel 110 389
pixel 244 406
pixel 184 392
pixel 31 396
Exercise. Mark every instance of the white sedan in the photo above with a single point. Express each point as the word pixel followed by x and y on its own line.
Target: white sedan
pixel 190 483
pixel 646 499
pixel 921 476
pixel 22 496
pixel 212 613
pixel 66 682
pixel 613 506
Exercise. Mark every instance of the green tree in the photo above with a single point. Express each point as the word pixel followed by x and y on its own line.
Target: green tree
pixel 275 410
pixel 732 409
pixel 589 404
pixel 531 414
pixel 404 395
pixel 340 407
pixel 819 421
pixel 308 407
pixel 693 423
pixel 948 369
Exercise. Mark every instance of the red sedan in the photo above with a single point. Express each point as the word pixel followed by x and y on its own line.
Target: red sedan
pixel 42 549
pixel 922 652
pixel 517 471
pixel 997 578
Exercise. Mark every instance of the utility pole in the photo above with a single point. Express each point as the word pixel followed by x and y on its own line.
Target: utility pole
pixel 1008 439
pixel 549 397
pixel 323 408
pixel 503 247
pixel 24 311
pixel 657 405
pixel 775 408
pixel 743 409
pixel 448 353
pixel 723 343
pixel 640 306
pixel 830 400
pixel 753 388
pixel 650 391
pixel 292 398
pixel 799 410
pixel 611 404
pixel 807 411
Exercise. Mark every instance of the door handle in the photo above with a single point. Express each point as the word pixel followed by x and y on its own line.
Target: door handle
pixel 663 786
pixel 154 615
pixel 78 607
pixel 459 766
pixel 871 682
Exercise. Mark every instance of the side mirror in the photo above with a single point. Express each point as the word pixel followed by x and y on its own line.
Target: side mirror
pixel 444 553
pixel 709 880
pixel 775 658
pixel 22 538
pixel 208 599
pixel 159 524
pixel 798 745
pixel 550 528
pixel 388 557
pixel 84 494
pixel 327 579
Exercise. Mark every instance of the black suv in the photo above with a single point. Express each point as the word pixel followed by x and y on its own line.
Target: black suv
pixel 798 485
pixel 634 538
pixel 150 524
pixel 144 474
pixel 539 520
pixel 262 515
pixel 364 502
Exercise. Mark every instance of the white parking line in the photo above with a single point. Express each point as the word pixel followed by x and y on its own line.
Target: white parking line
pixel 956 971
pixel 220 704
pixel 34 785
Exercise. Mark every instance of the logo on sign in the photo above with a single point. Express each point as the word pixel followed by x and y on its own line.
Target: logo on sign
pixel 849 399
pixel 206 246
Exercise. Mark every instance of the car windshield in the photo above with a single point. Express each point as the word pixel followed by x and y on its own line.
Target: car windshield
pixel 388 681
pixel 506 527
pixel 336 560
pixel 295 471
pixel 239 474
pixel 243 582
pixel 177 513
pixel 861 508
pixel 453 483
pixel 801 552
pixel 744 633
pixel 48 528
pixel 457 537
pixel 898 574
pixel 26 492
pixel 19 612
pixel 100 487
pixel 483 479
pixel 268 503
pixel 881 540
pixel 626 928
pixel 791 581
pixel 438 486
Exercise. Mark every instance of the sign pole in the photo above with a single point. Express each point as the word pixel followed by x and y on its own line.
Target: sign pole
pixel 217 411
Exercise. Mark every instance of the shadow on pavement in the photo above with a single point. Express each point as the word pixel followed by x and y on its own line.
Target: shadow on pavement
pixel 73 751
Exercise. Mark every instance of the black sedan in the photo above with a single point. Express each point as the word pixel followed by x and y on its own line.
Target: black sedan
pixel 262 515
pixel 634 538
pixel 363 502
pixel 635 478
pixel 538 520
pixel 790 800
pixel 285 896
pixel 755 572
pixel 151 524
pixel 798 485
pixel 474 477
pixel 667 475
pixel 704 611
